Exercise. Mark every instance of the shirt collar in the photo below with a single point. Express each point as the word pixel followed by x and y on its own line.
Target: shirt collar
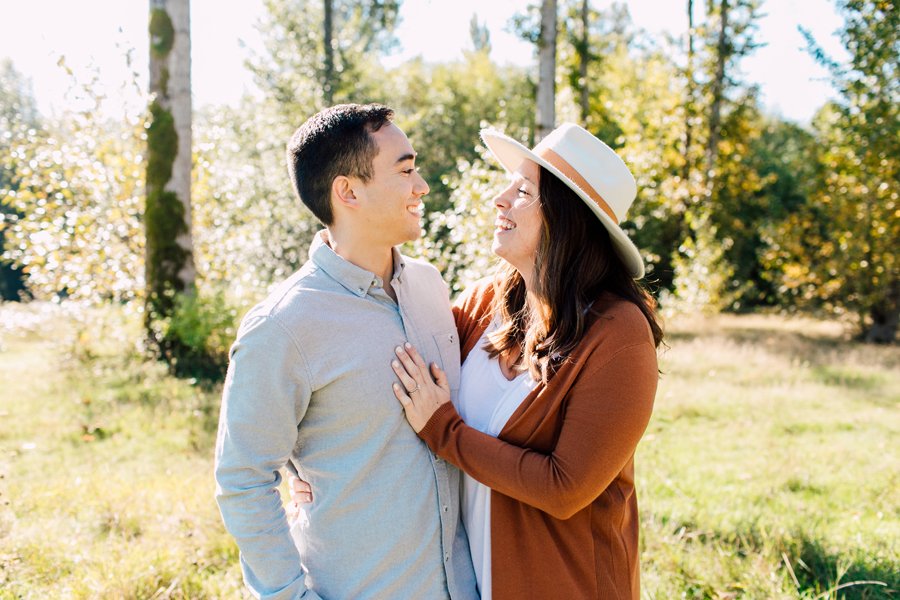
pixel 356 279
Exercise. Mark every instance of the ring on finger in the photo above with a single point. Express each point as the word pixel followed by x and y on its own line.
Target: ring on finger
pixel 414 390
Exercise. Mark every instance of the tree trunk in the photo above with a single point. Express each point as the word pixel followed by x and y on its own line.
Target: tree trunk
pixel 546 89
pixel 885 318
pixel 328 83
pixel 718 85
pixel 689 101
pixel 169 259
pixel 584 52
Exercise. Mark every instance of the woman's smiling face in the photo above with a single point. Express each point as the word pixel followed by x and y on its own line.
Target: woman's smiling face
pixel 517 229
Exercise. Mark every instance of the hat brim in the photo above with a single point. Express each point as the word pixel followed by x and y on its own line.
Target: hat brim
pixel 510 154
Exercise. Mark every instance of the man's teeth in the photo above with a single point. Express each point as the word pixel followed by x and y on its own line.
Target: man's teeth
pixel 414 210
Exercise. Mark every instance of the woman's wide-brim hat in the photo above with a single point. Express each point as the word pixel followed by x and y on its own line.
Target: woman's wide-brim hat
pixel 591 168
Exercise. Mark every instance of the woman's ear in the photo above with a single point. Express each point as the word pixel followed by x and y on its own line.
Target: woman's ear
pixel 342 192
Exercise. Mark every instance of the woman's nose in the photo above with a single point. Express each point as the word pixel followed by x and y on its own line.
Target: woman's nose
pixel 502 200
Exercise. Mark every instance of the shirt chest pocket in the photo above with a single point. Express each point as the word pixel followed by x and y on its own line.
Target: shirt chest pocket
pixel 448 349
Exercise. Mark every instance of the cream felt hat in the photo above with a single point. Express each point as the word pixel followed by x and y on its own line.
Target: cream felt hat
pixel 591 168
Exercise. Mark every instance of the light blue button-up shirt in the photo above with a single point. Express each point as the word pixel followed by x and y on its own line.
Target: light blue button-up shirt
pixel 309 386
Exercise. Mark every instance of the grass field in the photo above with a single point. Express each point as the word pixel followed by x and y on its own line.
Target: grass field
pixel 770 468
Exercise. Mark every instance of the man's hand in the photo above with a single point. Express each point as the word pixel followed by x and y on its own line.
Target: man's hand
pixel 301 493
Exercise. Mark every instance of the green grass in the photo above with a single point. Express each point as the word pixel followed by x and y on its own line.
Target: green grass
pixel 769 469
pixel 106 488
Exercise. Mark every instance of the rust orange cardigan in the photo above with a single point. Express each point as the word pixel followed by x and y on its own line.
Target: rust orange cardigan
pixel 564 517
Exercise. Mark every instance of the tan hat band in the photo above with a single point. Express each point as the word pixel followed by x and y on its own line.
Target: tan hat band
pixel 566 169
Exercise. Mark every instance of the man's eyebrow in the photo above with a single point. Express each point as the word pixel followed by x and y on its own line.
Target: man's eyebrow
pixel 405 157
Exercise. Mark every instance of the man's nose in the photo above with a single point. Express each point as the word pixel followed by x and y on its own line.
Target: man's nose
pixel 421 185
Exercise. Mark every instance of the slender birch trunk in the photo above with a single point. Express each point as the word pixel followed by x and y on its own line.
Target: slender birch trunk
pixel 328 26
pixel 170 266
pixel 689 100
pixel 718 85
pixel 584 55
pixel 546 89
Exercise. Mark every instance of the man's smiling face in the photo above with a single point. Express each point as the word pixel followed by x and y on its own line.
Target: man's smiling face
pixel 391 201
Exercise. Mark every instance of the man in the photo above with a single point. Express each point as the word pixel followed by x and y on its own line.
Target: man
pixel 309 387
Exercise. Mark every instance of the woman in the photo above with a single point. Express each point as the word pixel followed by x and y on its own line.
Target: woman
pixel 558 379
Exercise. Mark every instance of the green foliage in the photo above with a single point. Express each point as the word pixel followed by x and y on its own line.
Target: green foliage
pixel 527 24
pixel 739 206
pixel 458 241
pixel 443 107
pixel 18 114
pixel 199 334
pixel 609 32
pixel 292 71
pixel 787 218
pixel 162 32
pixel 249 228
pixel 782 160
pixel 635 102
pixel 722 113
pixel 840 251
pixel 74 188
pixel 702 273
pixel 480 35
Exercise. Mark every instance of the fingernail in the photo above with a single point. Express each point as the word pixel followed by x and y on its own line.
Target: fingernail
pixel 395 386
pixel 395 364
pixel 398 349
pixel 408 345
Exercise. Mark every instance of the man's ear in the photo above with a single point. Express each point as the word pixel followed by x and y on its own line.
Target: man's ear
pixel 342 192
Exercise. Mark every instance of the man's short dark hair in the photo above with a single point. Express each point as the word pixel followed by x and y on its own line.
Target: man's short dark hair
pixel 333 142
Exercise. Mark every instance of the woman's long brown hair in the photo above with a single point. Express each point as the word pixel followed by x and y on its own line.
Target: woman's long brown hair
pixel 574 264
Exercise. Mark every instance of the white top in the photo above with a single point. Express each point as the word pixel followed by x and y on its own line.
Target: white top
pixel 485 402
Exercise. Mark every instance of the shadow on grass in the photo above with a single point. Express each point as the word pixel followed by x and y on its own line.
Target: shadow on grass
pixel 848 378
pixel 821 572
pixel 130 393
pixel 812 569
pixel 766 336
pixel 819 351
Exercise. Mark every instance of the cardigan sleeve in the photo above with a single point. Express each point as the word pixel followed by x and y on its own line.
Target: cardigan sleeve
pixel 606 413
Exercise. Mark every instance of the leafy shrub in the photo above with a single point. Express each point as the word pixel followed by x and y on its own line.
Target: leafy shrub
pixel 196 339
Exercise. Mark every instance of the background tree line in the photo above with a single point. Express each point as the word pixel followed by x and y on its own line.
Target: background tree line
pixel 737 210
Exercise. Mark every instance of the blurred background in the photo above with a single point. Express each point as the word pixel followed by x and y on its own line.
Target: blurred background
pixel 145 205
